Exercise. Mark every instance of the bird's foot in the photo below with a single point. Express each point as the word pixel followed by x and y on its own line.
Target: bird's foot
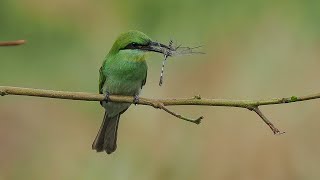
pixel 106 98
pixel 136 99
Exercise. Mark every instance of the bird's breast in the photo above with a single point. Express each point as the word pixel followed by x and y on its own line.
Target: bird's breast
pixel 125 77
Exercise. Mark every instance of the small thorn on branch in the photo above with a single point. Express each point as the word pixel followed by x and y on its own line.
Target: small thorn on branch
pixel 12 43
pixel 275 130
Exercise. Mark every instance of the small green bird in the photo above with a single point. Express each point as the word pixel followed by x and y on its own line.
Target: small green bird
pixel 123 72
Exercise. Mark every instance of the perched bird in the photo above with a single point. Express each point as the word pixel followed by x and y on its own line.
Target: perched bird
pixel 123 72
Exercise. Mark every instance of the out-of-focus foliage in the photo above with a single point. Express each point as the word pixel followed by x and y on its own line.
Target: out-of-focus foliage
pixel 254 49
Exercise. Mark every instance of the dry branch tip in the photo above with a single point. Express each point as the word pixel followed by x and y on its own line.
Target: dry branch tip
pixel 275 130
pixel 12 43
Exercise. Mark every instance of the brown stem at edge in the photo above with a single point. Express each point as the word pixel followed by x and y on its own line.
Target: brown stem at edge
pixel 12 43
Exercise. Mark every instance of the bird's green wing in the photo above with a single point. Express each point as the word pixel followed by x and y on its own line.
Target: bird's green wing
pixel 145 79
pixel 102 79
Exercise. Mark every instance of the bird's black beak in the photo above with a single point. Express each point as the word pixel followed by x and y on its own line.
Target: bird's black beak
pixel 157 47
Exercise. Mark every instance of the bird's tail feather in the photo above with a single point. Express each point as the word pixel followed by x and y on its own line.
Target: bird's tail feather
pixel 106 139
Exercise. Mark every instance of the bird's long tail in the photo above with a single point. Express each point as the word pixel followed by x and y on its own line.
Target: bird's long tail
pixel 106 139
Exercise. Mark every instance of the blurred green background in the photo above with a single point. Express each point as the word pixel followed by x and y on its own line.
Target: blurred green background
pixel 254 49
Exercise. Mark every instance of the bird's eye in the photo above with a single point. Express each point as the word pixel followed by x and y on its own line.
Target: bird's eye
pixel 134 44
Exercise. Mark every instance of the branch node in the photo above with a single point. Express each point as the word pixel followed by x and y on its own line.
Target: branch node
pixel 285 100
pixel 156 104
pixel 3 93
pixel 197 96
pixel 251 108
pixel 294 98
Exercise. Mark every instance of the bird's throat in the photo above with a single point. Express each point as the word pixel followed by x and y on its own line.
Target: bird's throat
pixel 133 55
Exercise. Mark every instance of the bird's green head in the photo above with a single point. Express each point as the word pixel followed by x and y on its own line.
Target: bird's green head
pixel 136 42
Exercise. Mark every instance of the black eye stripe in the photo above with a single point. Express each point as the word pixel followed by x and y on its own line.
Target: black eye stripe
pixel 132 46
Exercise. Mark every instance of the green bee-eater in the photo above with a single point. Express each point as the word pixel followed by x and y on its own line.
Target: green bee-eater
pixel 123 72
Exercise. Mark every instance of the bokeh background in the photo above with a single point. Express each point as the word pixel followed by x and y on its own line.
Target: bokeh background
pixel 254 50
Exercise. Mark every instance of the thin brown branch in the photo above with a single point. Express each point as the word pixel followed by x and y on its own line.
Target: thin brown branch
pixel 196 121
pixel 12 43
pixel 162 103
pixel 265 119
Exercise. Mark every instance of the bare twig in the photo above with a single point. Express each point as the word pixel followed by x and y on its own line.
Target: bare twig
pixel 162 103
pixel 12 43
pixel 265 119
pixel 196 121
